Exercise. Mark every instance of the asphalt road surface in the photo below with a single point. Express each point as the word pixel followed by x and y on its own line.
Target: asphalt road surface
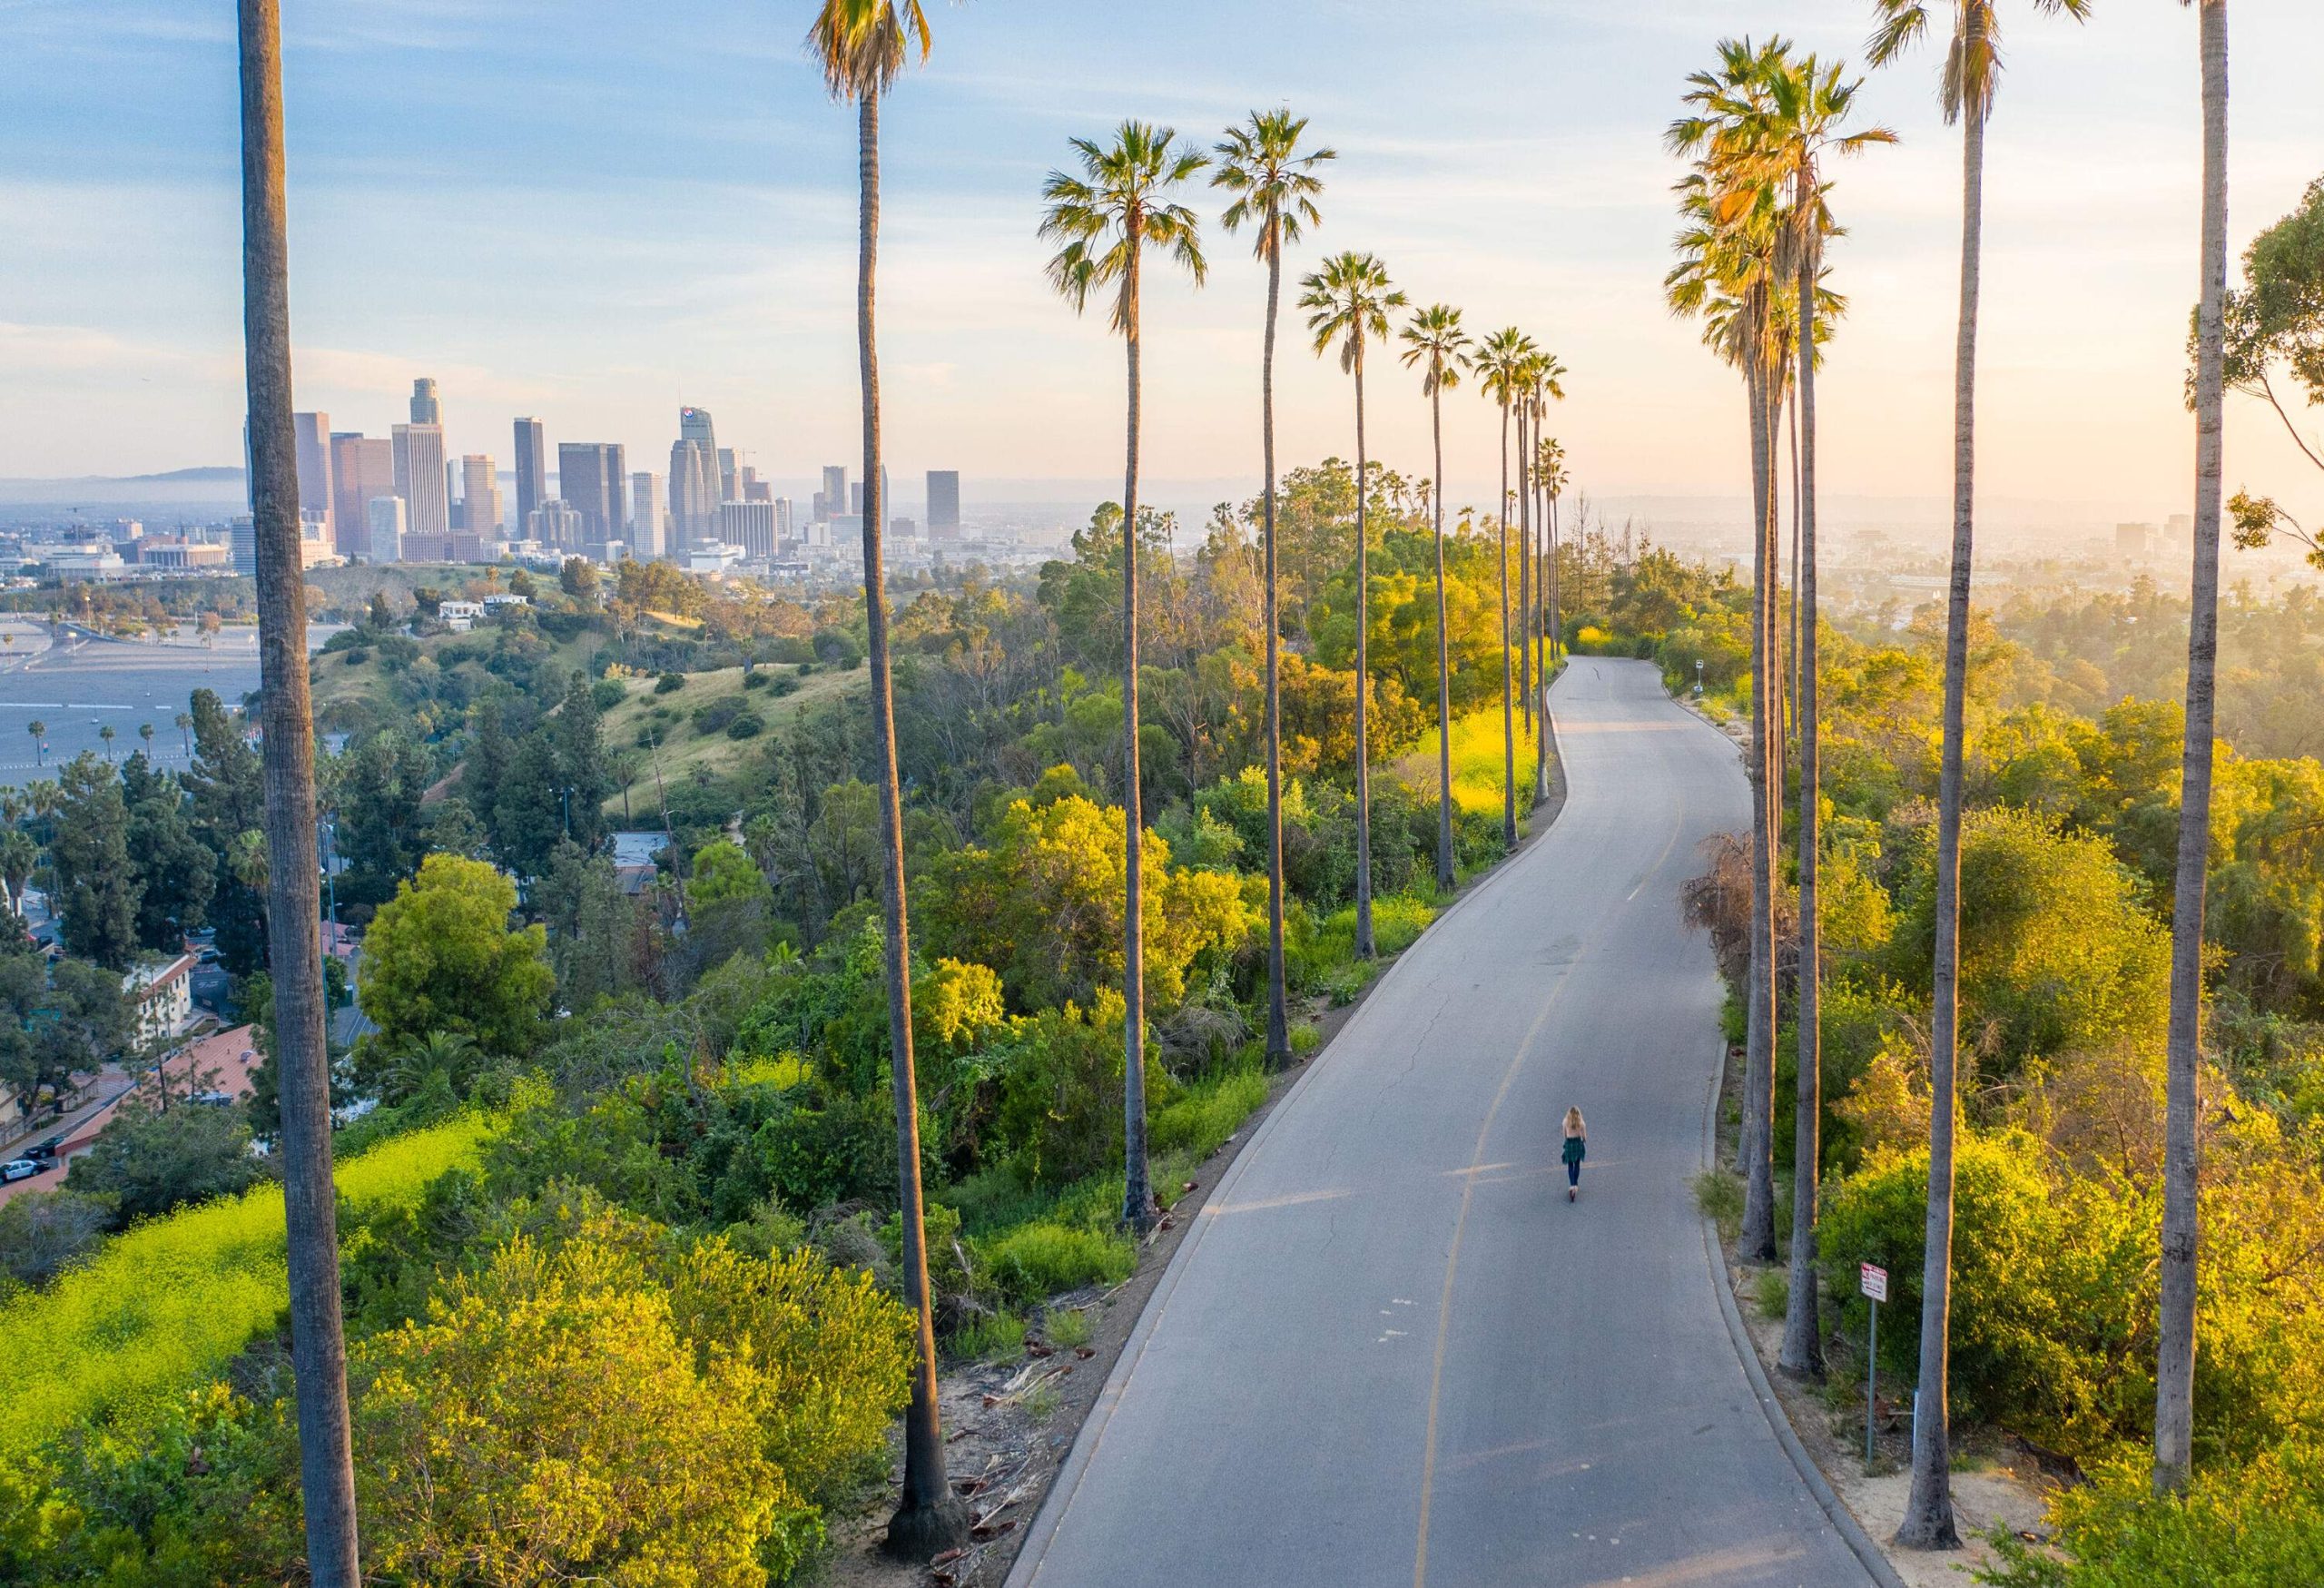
pixel 1390 1352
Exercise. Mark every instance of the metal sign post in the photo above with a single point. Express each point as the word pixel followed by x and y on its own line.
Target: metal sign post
pixel 1874 1282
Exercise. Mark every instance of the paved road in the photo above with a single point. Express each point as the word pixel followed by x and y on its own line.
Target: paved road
pixel 1391 1353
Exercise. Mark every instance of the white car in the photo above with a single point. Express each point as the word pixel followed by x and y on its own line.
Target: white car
pixel 20 1168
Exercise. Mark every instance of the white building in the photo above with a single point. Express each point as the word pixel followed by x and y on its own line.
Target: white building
pixel 459 617
pixel 163 993
pixel 387 529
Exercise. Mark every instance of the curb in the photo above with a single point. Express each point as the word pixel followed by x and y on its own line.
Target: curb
pixel 1836 1511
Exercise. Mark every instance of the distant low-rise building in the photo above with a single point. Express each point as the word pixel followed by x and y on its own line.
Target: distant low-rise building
pixel 459 617
pixel 636 858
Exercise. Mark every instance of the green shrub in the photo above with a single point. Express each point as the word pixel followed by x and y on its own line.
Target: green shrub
pixel 669 683
pixel 1399 919
pixel 716 715
pixel 2045 1287
pixel 1200 1119
pixel 608 692
pixel 838 1149
pixel 1720 1196
pixel 748 725
pixel 2257 1524
pixel 1059 1116
pixel 1069 1327
pixel 1772 1292
pixel 994 1337
pixel 1036 1261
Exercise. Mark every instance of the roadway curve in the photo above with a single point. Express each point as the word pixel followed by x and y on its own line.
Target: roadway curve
pixel 1390 1352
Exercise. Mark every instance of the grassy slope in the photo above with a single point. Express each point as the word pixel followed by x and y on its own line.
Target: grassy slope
pixel 168 1303
pixel 681 749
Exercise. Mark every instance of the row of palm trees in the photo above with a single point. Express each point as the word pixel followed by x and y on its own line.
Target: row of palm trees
pixel 1759 129
pixel 1105 219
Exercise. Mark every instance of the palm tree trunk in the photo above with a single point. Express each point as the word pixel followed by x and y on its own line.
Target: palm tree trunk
pixel 1928 1508
pixel 1758 1134
pixel 1798 508
pixel 1508 718
pixel 1525 568
pixel 293 892
pixel 1278 1016
pixel 2174 1397
pixel 1138 1210
pixel 928 1519
pixel 1803 1343
pixel 1443 669
pixel 1365 947
pixel 1545 557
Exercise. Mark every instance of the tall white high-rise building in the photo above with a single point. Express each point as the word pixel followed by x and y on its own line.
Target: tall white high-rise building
pixel 386 542
pixel 421 479
pixel 425 408
pixel 945 504
pixel 834 489
pixel 693 492
pixel 649 509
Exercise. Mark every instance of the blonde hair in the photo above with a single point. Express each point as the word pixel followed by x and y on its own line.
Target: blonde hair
pixel 1573 1125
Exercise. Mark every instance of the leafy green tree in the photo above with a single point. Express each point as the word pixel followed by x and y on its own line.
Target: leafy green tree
pixel 1971 77
pixel 56 1022
pixel 43 1233
pixel 1104 219
pixel 565 1428
pixel 1041 901
pixel 584 779
pixel 590 923
pixel 228 801
pixel 176 873
pixel 377 813
pixel 148 1161
pixel 1274 186
pixel 95 887
pixel 440 957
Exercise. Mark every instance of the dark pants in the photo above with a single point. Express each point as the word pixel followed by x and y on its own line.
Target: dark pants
pixel 1573 1171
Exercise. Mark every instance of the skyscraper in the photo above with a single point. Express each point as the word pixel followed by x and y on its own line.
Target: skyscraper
pixel 590 478
pixel 730 488
pixel 311 433
pixel 421 479
pixel 531 467
pixel 481 490
pixel 362 467
pixel 943 503
pixel 384 542
pixel 834 489
pixel 693 491
pixel 425 409
pixel 649 506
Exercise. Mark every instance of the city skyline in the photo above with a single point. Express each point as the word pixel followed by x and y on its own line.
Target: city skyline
pixel 1556 219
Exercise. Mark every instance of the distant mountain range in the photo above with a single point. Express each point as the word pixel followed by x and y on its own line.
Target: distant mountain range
pixel 222 486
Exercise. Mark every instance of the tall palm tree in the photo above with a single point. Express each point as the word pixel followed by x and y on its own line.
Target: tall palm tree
pixel 1501 365
pixel 105 732
pixel 39 731
pixel 1808 104
pixel 1274 187
pixel 1347 304
pixel 145 732
pixel 293 892
pixel 1548 469
pixel 1435 341
pixel 1546 383
pixel 1970 77
pixel 2174 1375
pixel 183 723
pixel 862 46
pixel 1726 276
pixel 1104 219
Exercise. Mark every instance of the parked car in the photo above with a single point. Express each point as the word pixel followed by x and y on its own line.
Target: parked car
pixel 44 1151
pixel 21 1168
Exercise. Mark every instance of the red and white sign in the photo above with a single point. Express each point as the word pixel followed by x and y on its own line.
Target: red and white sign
pixel 1875 1283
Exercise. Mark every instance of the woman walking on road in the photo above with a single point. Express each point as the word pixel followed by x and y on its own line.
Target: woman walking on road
pixel 1577 1146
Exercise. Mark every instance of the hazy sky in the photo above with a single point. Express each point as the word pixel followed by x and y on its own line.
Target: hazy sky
pixel 594 209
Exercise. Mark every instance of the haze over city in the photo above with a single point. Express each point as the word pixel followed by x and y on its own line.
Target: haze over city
pixel 597 220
